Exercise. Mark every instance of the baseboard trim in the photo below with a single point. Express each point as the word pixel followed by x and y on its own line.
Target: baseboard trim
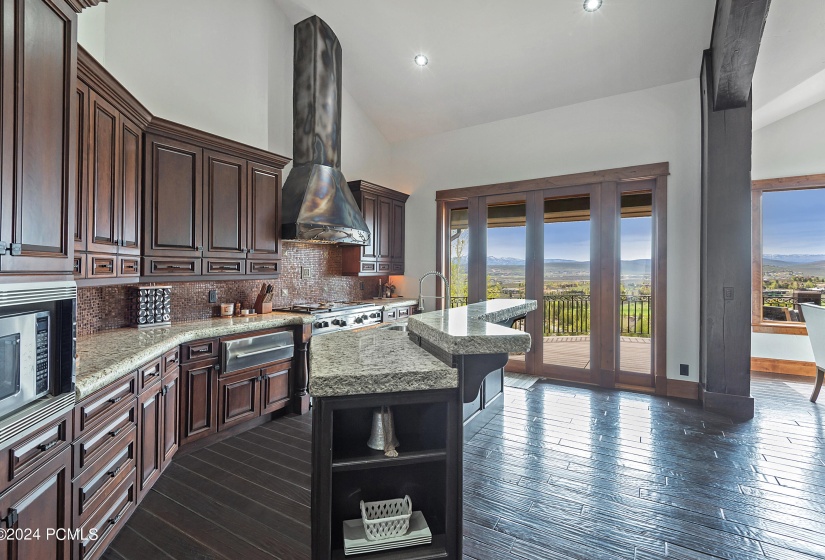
pixel 738 407
pixel 681 389
pixel 787 367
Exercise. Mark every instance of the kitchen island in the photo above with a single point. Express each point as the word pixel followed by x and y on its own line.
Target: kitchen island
pixel 424 375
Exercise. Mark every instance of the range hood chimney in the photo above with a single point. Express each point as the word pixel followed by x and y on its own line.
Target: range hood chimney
pixel 317 204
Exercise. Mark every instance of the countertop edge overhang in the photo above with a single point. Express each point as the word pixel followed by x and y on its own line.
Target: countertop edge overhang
pixel 373 361
pixel 475 328
pixel 107 356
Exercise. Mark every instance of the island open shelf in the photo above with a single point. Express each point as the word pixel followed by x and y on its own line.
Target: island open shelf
pixel 428 468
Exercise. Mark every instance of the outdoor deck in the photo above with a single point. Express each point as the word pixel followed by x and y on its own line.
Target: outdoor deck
pixel 574 351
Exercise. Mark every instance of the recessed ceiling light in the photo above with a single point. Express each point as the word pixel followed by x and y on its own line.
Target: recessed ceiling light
pixel 421 60
pixel 592 5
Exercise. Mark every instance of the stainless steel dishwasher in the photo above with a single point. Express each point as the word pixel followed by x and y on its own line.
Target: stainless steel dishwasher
pixel 244 353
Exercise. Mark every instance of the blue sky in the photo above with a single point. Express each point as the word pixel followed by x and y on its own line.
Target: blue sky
pixel 570 240
pixel 793 222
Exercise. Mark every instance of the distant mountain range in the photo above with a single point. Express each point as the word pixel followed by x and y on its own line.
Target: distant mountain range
pixel 793 258
pixel 510 261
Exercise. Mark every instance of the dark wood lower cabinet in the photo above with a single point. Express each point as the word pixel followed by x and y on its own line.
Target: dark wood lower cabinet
pixel 150 426
pixel 275 386
pixel 41 503
pixel 240 398
pixel 198 410
pixel 170 435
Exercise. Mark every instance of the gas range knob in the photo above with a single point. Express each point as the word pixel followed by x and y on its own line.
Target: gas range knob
pixel 318 325
pixel 364 317
pixel 374 315
pixel 325 324
pixel 337 322
pixel 342 323
pixel 359 320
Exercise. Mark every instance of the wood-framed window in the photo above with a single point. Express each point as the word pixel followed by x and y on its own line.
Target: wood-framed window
pixel 787 240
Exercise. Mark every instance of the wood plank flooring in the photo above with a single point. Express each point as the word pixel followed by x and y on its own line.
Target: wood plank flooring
pixel 563 472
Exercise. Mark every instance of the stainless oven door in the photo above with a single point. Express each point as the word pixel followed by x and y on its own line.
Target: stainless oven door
pixel 18 361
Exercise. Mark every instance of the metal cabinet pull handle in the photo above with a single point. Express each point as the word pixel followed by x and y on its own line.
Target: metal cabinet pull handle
pixel 47 446
pixel 113 472
pixel 11 518
pixel 116 400
pixel 114 433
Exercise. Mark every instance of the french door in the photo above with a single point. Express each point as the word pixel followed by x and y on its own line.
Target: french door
pixel 591 255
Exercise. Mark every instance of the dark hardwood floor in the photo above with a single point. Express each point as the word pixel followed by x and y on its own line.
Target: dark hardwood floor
pixel 562 472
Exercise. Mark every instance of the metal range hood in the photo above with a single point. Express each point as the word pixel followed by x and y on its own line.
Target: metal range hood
pixel 317 204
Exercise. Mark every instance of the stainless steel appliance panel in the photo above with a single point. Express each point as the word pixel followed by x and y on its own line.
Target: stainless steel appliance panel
pixel 254 351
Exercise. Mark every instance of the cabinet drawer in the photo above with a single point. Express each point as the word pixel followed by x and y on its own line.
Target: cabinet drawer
pixel 383 267
pixel 128 266
pixel 199 350
pixel 79 266
pixel 397 268
pixel 263 267
pixel 149 374
pixel 95 484
pixel 101 266
pixel 28 453
pixel 170 360
pixel 171 267
pixel 94 408
pixel 224 267
pixel 97 442
pixel 369 267
pixel 107 521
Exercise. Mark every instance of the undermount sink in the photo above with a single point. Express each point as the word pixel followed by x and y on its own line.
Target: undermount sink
pixel 402 327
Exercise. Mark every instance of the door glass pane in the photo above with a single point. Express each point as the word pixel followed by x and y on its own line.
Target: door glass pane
pixel 793 252
pixel 9 365
pixel 566 301
pixel 635 310
pixel 506 250
pixel 459 250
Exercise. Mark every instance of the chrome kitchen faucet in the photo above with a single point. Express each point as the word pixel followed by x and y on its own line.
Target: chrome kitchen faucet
pixel 446 295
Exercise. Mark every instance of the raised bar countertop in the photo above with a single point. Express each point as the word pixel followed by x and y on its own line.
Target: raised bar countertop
pixel 472 330
pixel 373 361
pixel 106 356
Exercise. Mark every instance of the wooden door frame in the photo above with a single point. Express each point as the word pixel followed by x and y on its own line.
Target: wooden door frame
pixel 610 182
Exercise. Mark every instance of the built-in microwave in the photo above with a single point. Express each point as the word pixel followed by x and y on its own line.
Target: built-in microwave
pixel 37 353
pixel 25 370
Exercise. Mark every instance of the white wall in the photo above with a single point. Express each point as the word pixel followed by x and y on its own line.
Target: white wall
pixel 222 67
pixel 661 124
pixel 792 146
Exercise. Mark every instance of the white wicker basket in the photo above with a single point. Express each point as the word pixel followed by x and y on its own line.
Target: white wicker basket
pixel 387 519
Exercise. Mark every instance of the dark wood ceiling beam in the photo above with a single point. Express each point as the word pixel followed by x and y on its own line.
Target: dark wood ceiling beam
pixel 737 32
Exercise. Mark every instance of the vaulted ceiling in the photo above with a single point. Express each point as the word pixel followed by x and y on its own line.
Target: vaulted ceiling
pixel 491 60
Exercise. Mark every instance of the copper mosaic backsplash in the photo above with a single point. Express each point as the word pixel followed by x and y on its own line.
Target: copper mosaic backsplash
pixel 107 307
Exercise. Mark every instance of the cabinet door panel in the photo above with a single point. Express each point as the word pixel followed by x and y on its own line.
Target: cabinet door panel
pixel 39 155
pixel 369 208
pixel 150 421
pixel 264 210
pixel 275 387
pixel 240 399
pixel 397 238
pixel 198 410
pixel 225 202
pixel 41 502
pixel 130 180
pixel 103 171
pixel 171 417
pixel 81 177
pixel 384 230
pixel 173 198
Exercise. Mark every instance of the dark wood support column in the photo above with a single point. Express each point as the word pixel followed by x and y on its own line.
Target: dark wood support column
pixel 725 322
pixel 300 395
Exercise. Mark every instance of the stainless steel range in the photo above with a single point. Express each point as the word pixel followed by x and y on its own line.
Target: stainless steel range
pixel 338 316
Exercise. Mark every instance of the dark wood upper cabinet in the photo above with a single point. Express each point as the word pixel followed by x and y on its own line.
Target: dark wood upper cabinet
pixel 104 186
pixel 225 205
pixel 38 143
pixel 264 211
pixel 173 198
pixel 130 177
pixel 81 185
pixel 383 210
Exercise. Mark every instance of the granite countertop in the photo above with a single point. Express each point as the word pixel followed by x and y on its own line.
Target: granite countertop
pixel 104 357
pixel 373 361
pixel 472 330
